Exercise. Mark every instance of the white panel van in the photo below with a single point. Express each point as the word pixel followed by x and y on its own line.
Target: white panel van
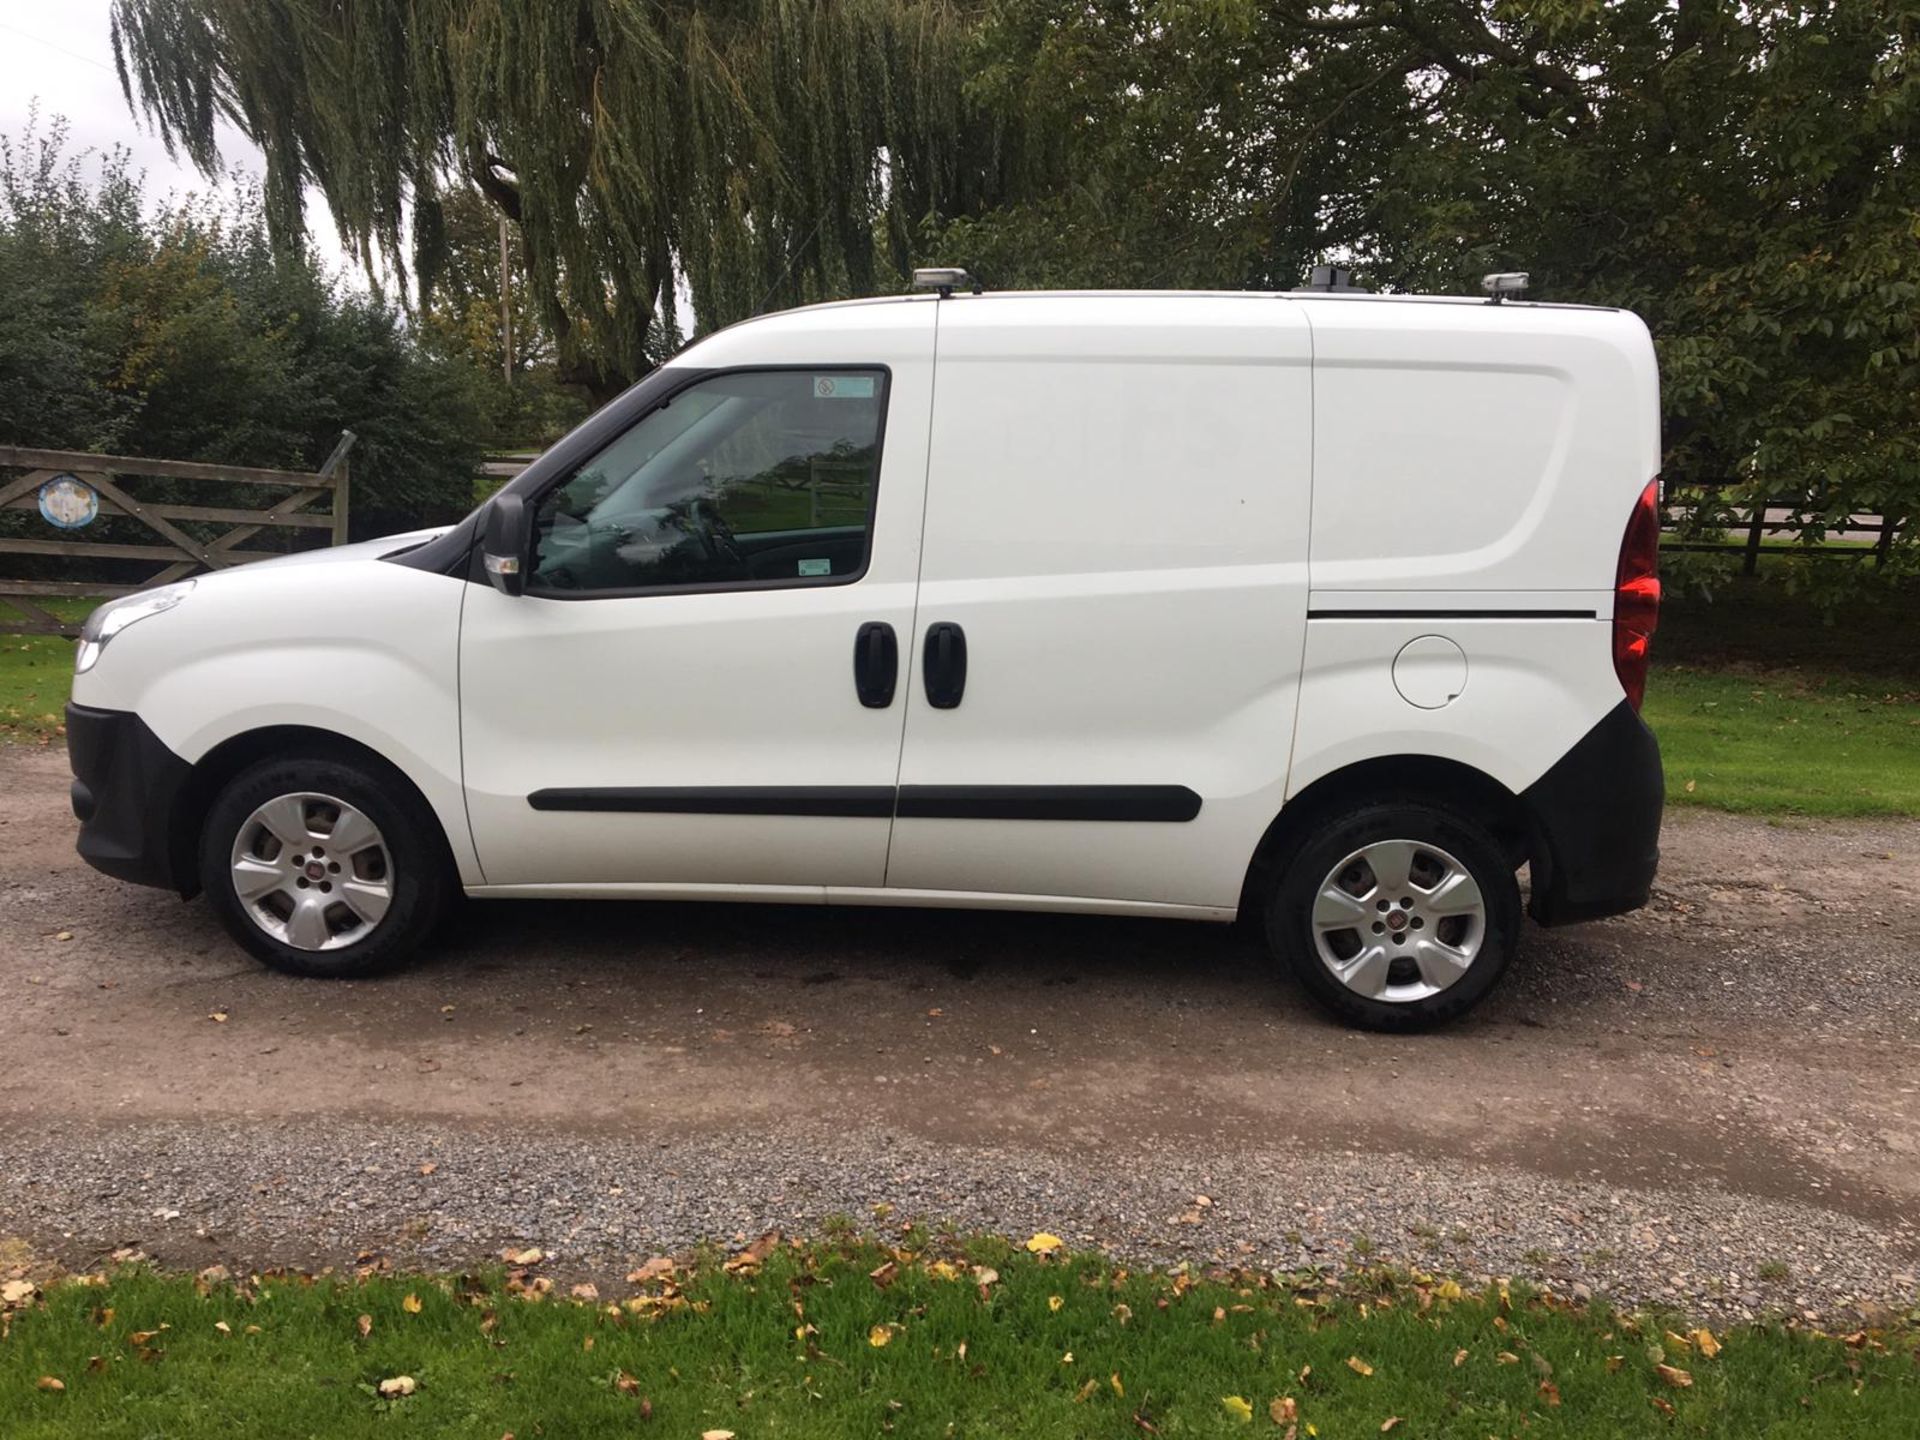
pixel 1324 608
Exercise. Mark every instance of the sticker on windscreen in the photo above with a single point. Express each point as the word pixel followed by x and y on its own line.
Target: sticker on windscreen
pixel 843 387
pixel 816 567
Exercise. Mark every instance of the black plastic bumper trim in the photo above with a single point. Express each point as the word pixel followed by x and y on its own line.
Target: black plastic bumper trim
pixel 1596 820
pixel 125 789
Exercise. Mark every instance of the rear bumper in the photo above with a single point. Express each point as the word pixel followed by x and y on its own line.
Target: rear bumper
pixel 126 783
pixel 1596 823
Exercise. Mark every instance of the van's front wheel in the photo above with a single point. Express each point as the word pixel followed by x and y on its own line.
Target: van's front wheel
pixel 1396 917
pixel 319 868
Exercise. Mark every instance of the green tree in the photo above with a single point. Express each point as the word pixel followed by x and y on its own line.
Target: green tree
pixel 186 334
pixel 1741 175
pixel 760 151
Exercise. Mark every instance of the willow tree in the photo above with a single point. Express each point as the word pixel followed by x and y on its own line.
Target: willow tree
pixel 759 151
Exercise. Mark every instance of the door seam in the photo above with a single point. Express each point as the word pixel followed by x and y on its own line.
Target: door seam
pixel 911 649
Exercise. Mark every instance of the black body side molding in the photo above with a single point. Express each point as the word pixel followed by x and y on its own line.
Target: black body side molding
pixel 868 801
pixel 1048 802
pixel 1146 803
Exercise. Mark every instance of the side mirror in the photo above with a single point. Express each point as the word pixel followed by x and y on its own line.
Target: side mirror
pixel 504 544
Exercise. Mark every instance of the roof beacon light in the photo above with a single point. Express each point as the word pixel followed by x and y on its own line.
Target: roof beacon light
pixel 946 279
pixel 1506 282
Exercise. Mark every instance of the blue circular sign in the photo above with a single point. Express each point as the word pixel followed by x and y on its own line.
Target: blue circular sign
pixel 68 502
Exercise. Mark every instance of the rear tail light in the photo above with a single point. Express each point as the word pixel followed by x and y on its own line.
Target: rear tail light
pixel 1636 594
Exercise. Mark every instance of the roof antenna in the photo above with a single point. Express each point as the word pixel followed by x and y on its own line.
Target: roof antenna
pixel 946 279
pixel 1505 283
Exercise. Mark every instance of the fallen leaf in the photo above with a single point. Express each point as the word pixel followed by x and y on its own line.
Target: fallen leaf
pixel 1447 1290
pixel 1679 1379
pixel 63 935
pixel 1114 1380
pixel 411 1304
pixel 219 1017
pixel 49 1382
pixel 716 1435
pixel 1459 1358
pixel 585 1290
pixel 1358 1366
pixel 223 1327
pixel 365 1325
pixel 944 1269
pixel 626 1384
pixel 1678 1342
pixel 1388 1423
pixel 1614 1362
pixel 427 1167
pixel 655 1268
pixel 1085 1391
pixel 396 1387
pixel 531 1256
pixel 1123 1312
pixel 1665 1407
pixel 880 1335
pixel 1550 1392
pixel 1238 1407
pixel 883 1276
pixel 1044 1244
pixel 1284 1410
pixel 764 1246
pixel 1507 1357
pixel 18 1292
pixel 985 1275
pixel 1054 1302
pixel 1707 1345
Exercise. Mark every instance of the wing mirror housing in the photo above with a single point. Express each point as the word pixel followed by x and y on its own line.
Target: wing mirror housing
pixel 505 544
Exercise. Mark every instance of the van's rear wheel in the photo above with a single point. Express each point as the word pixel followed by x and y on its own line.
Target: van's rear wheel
pixel 319 867
pixel 1396 917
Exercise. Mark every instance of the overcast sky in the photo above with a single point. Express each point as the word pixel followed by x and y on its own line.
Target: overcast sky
pixel 60 53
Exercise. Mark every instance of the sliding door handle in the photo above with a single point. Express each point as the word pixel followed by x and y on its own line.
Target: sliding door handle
pixel 945 667
pixel 876 664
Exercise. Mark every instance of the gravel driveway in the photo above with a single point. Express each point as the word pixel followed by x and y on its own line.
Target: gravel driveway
pixel 1715 1102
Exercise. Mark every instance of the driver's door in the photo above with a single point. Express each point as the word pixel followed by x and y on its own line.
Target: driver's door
pixel 671 708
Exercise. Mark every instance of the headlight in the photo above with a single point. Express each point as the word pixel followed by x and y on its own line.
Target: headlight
pixel 116 615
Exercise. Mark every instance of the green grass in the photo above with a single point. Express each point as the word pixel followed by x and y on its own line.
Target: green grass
pixel 1782 742
pixel 36 672
pixel 1067 1348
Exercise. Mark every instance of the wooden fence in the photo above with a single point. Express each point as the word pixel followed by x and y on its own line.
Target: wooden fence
pixel 75 489
pixel 1745 526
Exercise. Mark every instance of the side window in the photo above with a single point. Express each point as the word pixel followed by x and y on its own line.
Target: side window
pixel 764 476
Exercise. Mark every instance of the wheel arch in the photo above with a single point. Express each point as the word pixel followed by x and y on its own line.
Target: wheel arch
pixel 217 768
pixel 1434 779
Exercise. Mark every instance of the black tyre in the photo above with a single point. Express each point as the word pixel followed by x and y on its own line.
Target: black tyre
pixel 325 867
pixel 1396 916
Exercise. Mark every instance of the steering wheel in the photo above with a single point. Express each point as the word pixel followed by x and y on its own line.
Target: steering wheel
pixel 714 534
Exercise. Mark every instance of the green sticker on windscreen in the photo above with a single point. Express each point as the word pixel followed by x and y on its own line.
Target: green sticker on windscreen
pixel 843 387
pixel 816 567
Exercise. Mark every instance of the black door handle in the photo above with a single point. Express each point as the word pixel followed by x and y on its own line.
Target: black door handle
pixel 876 664
pixel 945 666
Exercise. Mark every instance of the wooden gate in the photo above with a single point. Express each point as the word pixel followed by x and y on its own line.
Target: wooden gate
pixel 96 489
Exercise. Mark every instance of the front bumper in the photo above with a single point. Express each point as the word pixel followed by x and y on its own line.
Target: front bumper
pixel 1596 823
pixel 126 787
